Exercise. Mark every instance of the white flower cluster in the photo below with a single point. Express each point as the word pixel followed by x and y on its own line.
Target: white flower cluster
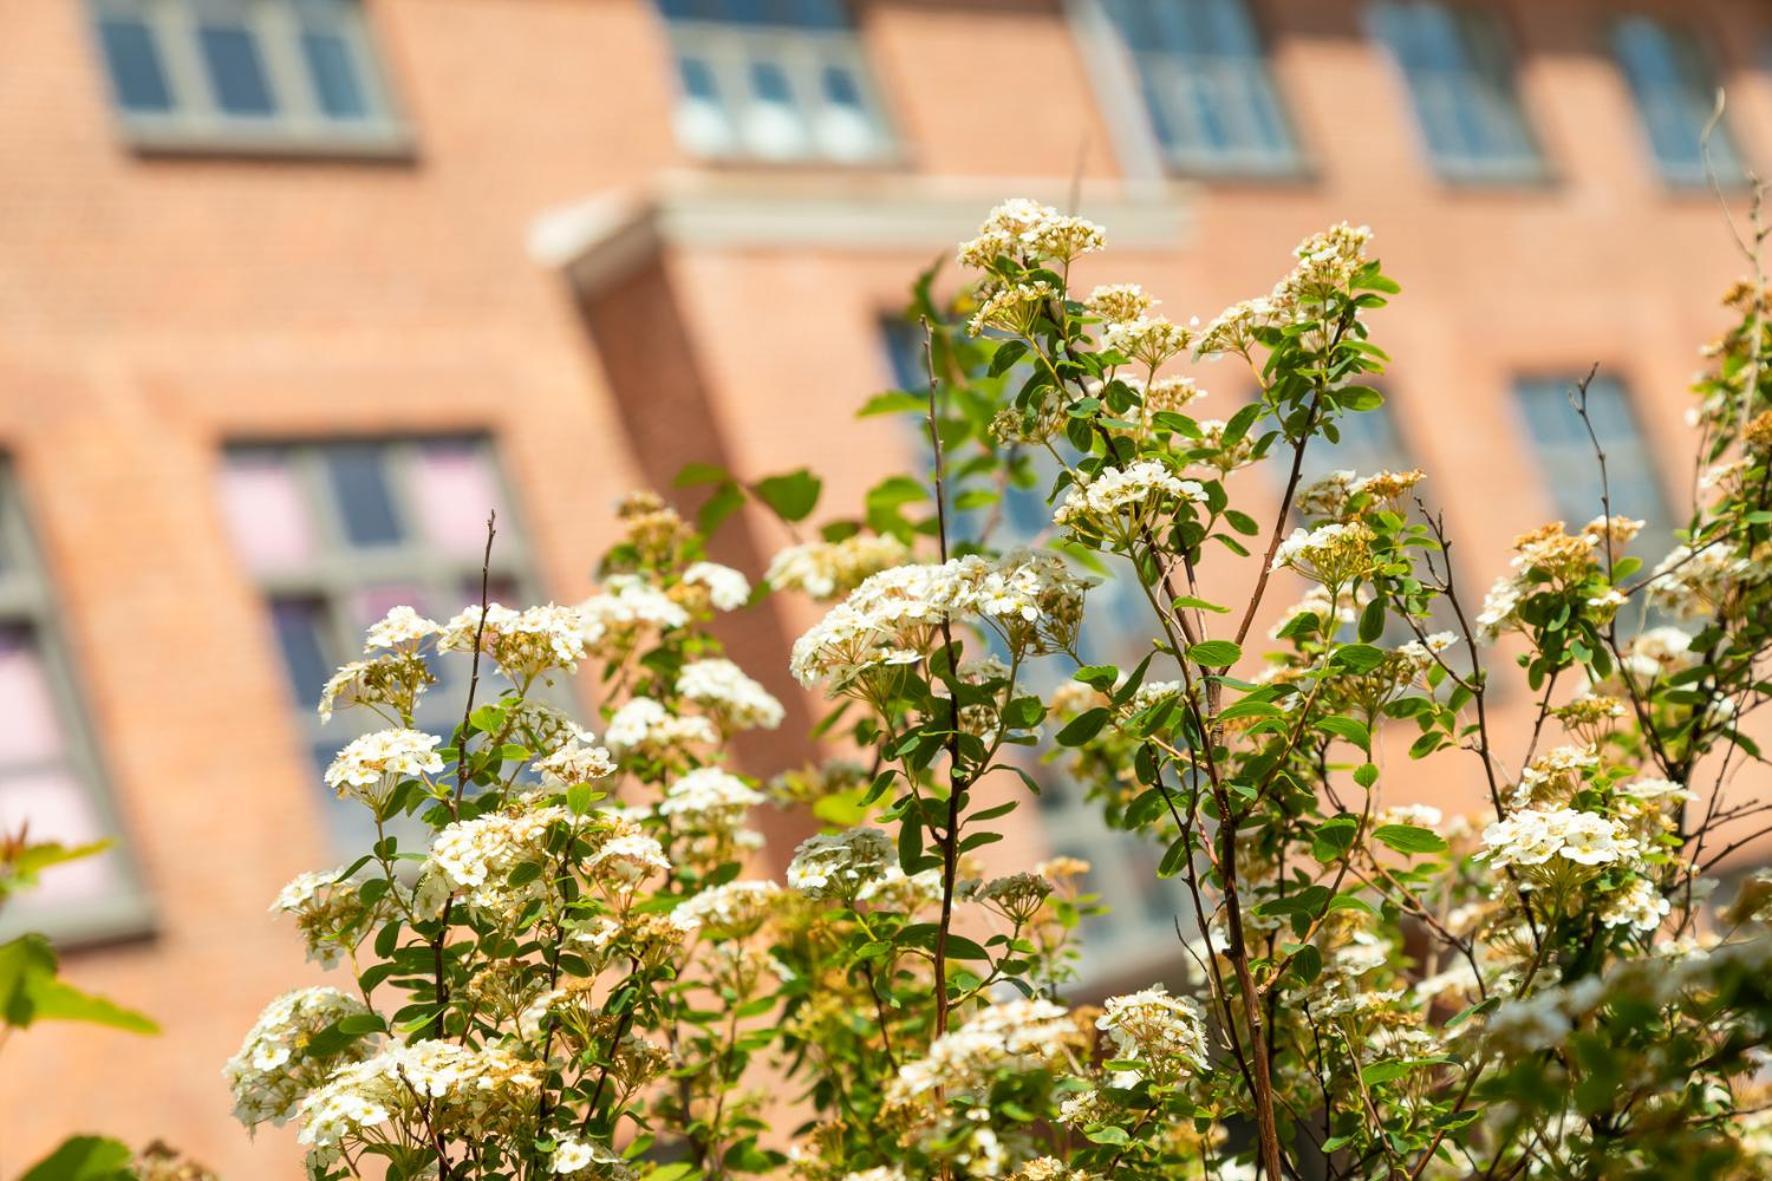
pixel 1693 584
pixel 272 1072
pixel 1011 1037
pixel 1131 497
pixel 626 607
pixel 1028 232
pixel 587 1158
pixel 1119 302
pixel 1164 1033
pixel 323 906
pixel 402 630
pixel 476 857
pixel 1333 554
pixel 891 619
pixel 1660 652
pixel 731 910
pixel 1639 904
pixel 477 1089
pixel 377 761
pixel 1326 264
pixel 724 690
pixel 837 865
pixel 710 798
pixel 728 589
pixel 1150 339
pixel 825 569
pixel 524 644
pixel 1534 836
pixel 578 760
pixel 644 726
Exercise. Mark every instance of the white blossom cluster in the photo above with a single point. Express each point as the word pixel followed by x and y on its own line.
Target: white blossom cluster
pixel 729 694
pixel 728 589
pixel 487 1089
pixel 708 797
pixel 578 760
pixel 1693 584
pixel 524 644
pixel 1010 1037
pixel 825 569
pixel 1333 554
pixel 474 858
pixel 837 865
pixel 647 727
pixel 1135 496
pixel 323 904
pixel 587 1158
pixel 1165 1034
pixel 271 1072
pixel 1534 836
pixel 376 761
pixel 1326 265
pixel 892 617
pixel 731 910
pixel 1028 232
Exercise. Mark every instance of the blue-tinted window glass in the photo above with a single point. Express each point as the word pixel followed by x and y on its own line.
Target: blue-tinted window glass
pixel 1675 91
pixel 1460 77
pixel 1571 471
pixel 334 75
pixel 301 635
pixel 840 87
pixel 360 490
pixel 132 58
pixel 769 83
pixel 236 70
pixel 698 79
pixel 1206 84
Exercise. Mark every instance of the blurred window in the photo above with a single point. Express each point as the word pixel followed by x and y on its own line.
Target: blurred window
pixel 1675 88
pixel 51 782
pixel 1206 85
pixel 774 80
pixel 1460 72
pixel 336 533
pixel 246 75
pixel 1368 443
pixel 1571 470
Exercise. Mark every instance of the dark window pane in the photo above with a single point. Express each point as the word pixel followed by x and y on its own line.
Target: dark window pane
pixel 698 79
pixel 770 84
pixel 360 489
pixel 840 88
pixel 334 75
pixel 236 71
pixel 138 83
pixel 301 634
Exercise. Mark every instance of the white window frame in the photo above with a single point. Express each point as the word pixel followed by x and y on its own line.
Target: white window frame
pixel 27 601
pixel 802 53
pixel 298 124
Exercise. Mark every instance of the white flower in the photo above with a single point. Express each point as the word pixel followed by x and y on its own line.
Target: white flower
pixel 524 644
pixel 476 857
pixel 572 1156
pixel 1163 1032
pixel 630 857
pixel 1532 837
pixel 1013 1036
pixel 1150 339
pixel 1638 905
pixel 627 607
pixel 401 627
pixel 722 688
pixel 369 762
pixel 1332 554
pixel 838 865
pixel 711 797
pixel 1138 493
pixel 733 909
pixel 824 569
pixel 578 760
pixel 728 590
pixel 646 726
pixel 272 1072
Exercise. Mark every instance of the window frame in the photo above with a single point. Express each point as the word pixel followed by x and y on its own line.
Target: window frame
pixel 297 124
pixel 339 570
pixel 1120 84
pixel 28 601
pixel 1673 29
pixel 1494 24
pixel 801 53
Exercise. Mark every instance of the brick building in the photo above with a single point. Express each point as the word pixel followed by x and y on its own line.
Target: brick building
pixel 291 289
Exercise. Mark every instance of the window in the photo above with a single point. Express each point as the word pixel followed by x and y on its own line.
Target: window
pixel 1143 908
pixel 1675 90
pixel 1460 74
pixel 773 80
pixel 1206 85
pixel 1369 443
pixel 336 533
pixel 51 783
pixel 245 74
pixel 1571 471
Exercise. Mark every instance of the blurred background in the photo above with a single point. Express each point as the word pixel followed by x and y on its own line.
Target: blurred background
pixel 293 291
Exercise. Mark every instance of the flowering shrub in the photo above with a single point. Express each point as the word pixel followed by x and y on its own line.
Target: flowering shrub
pixel 573 975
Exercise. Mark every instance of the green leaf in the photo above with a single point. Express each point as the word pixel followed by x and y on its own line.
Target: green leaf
pixel 30 992
pixel 1409 838
pixel 724 501
pixel 84 1158
pixel 1359 658
pixel 1349 729
pixel 1216 653
pixel 1083 727
pixel 792 496
pixel 692 474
